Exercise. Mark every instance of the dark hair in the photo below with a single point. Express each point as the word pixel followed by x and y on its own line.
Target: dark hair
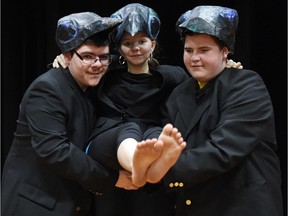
pixel 99 39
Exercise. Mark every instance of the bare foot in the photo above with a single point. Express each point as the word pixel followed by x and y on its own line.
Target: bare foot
pixel 173 146
pixel 145 154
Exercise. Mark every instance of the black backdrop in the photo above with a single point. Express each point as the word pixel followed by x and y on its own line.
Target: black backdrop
pixel 28 45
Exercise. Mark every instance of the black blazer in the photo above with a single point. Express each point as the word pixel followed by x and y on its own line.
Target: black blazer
pixel 47 171
pixel 229 167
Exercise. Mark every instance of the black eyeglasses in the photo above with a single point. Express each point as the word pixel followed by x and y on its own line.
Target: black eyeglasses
pixel 90 59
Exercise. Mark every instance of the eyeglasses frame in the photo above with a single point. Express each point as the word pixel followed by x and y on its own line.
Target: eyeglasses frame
pixel 95 60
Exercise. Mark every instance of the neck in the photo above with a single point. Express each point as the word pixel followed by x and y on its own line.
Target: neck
pixel 139 69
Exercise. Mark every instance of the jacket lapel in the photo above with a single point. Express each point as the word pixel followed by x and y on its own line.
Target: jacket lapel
pixel 189 109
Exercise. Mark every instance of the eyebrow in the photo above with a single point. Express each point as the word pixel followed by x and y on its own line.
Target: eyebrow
pixel 91 53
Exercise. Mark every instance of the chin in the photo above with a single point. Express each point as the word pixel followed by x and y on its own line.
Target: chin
pixel 94 83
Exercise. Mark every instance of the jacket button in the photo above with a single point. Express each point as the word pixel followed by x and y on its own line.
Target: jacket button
pixel 181 184
pixel 78 209
pixel 188 202
pixel 171 185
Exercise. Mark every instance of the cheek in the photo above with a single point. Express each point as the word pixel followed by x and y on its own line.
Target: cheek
pixel 186 59
pixel 147 50
pixel 74 66
pixel 123 50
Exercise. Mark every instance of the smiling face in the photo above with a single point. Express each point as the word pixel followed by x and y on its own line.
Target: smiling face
pixel 136 50
pixel 87 74
pixel 203 57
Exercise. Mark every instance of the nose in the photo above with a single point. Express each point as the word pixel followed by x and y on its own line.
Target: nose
pixel 136 46
pixel 195 57
pixel 96 61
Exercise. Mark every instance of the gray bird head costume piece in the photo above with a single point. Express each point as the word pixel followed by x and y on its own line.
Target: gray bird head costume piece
pixel 73 29
pixel 218 21
pixel 136 18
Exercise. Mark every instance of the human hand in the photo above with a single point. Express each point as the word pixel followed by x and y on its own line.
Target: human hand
pixel 231 64
pixel 125 180
pixel 59 61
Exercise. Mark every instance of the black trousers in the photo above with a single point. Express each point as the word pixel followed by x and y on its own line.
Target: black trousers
pixel 104 146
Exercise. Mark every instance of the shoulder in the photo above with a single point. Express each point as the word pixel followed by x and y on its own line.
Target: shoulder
pixel 236 75
pixel 185 87
pixel 173 75
pixel 240 80
pixel 171 71
pixel 170 68
pixel 54 78
pixel 52 74
pixel 238 72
